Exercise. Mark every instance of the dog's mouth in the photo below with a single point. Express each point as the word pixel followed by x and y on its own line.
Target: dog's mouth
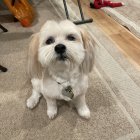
pixel 62 57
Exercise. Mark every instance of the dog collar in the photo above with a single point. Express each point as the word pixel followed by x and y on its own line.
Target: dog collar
pixel 66 87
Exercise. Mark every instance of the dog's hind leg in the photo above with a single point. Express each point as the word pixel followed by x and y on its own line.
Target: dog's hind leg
pixel 33 99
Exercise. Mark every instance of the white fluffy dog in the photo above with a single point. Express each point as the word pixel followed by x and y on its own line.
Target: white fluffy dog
pixel 60 57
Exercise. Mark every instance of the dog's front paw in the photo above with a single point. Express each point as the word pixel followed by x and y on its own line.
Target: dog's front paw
pixel 52 113
pixel 84 112
pixel 32 102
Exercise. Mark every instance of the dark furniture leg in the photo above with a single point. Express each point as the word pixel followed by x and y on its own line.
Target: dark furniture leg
pixel 15 19
pixel 3 28
pixel 3 69
pixel 91 5
pixel 66 9
pixel 83 20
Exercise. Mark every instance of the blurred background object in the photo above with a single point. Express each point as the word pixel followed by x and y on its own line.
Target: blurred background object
pixel 22 10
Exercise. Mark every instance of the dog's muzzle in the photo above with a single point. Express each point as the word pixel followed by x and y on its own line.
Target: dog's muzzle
pixel 60 49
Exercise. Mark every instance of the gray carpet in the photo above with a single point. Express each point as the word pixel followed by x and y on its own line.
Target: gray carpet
pixel 113 96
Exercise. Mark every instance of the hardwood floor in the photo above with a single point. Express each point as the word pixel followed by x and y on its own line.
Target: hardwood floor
pixel 125 40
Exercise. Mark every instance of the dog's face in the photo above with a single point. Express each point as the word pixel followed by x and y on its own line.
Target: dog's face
pixel 62 43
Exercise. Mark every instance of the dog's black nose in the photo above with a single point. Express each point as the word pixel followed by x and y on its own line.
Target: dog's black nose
pixel 60 48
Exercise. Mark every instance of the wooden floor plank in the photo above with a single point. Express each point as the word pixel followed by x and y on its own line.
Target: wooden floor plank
pixel 124 39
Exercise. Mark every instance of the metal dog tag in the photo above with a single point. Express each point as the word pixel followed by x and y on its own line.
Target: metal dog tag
pixel 67 91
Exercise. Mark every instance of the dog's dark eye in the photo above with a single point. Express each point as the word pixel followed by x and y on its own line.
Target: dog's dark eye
pixel 71 37
pixel 50 40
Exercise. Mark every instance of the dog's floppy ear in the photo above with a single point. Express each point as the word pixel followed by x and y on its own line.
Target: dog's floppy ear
pixel 34 66
pixel 89 43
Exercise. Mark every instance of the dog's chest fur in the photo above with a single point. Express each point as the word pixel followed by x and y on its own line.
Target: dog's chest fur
pixel 53 84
